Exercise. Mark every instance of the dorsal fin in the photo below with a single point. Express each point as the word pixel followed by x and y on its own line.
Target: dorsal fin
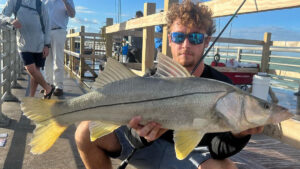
pixel 113 71
pixel 166 67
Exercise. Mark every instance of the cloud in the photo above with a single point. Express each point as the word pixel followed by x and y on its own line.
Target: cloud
pixel 82 9
pixel 84 21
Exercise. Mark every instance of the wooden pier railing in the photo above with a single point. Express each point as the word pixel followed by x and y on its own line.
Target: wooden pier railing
pixel 82 49
pixel 265 47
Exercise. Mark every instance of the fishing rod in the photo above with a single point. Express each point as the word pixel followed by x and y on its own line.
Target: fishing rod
pixel 203 56
pixel 124 163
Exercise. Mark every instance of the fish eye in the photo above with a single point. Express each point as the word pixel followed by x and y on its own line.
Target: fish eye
pixel 266 106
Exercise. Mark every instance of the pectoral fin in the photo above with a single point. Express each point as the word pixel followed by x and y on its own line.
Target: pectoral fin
pixel 99 129
pixel 185 141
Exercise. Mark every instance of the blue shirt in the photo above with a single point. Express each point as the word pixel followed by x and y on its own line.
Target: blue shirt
pixel 58 15
pixel 125 49
pixel 158 41
pixel 30 37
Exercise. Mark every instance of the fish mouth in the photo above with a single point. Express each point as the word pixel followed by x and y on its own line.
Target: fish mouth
pixel 279 116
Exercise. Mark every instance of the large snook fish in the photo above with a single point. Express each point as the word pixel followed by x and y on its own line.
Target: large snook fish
pixel 190 106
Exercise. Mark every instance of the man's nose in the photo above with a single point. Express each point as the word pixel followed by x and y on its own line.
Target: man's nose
pixel 186 42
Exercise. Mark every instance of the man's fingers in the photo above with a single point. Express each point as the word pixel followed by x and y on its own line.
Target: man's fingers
pixel 135 122
pixel 154 133
pixel 144 131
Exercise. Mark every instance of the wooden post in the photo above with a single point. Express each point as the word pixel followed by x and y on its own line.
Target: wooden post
pixel 148 40
pixel 81 61
pixel 266 53
pixel 72 48
pixel 165 42
pixel 239 54
pixel 108 37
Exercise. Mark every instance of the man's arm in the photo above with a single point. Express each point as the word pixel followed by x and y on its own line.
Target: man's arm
pixel 224 145
pixel 70 8
pixel 5 16
pixel 46 20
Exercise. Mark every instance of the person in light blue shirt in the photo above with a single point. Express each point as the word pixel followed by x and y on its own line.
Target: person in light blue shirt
pixel 33 40
pixel 59 13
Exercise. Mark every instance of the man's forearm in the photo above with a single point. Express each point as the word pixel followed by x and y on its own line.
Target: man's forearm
pixel 223 145
pixel 69 8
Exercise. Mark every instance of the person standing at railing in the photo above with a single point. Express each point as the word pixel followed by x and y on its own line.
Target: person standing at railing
pixel 32 23
pixel 59 13
pixel 124 51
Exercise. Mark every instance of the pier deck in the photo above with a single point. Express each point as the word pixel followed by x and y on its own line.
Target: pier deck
pixel 262 152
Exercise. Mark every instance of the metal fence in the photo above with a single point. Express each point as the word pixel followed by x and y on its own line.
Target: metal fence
pixel 10 69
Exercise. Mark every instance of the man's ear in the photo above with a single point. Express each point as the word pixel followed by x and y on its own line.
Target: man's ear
pixel 207 40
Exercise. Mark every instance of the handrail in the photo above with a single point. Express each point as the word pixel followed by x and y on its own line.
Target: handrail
pixel 11 71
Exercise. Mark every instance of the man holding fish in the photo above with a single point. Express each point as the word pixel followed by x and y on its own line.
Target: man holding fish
pixel 190 27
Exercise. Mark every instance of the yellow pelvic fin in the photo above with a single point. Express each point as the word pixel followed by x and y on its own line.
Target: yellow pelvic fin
pixel 185 141
pixel 99 129
pixel 47 129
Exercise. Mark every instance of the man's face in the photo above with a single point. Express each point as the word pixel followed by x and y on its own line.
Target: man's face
pixel 185 53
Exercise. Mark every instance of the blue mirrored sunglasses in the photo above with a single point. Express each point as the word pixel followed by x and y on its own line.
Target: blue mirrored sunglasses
pixel 194 38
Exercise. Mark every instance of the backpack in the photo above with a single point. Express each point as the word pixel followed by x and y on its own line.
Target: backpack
pixel 38 9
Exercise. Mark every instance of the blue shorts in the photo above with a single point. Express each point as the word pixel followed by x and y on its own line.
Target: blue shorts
pixel 160 155
pixel 30 58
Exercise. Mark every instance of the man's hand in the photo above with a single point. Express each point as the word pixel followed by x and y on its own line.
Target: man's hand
pixel 45 52
pixel 151 131
pixel 16 24
pixel 256 130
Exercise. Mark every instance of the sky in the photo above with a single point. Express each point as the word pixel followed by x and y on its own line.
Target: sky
pixel 283 24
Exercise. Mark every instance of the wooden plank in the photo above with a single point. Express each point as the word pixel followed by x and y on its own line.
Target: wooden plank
pixel 166 50
pixel 148 40
pixel 134 33
pixel 93 56
pixel 219 7
pixel 91 34
pixel 286 43
pixel 71 35
pixel 72 53
pixel 266 52
pixel 285 73
pixel 239 41
pixel 228 7
pixel 81 61
pixel 239 70
pixel 284 50
pixel 151 20
pixel 108 38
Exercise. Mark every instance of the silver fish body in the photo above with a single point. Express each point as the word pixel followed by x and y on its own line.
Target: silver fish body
pixel 190 106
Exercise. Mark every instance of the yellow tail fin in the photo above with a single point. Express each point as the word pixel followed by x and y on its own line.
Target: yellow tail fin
pixel 47 129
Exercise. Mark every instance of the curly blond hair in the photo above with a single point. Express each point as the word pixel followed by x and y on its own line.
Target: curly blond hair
pixel 191 15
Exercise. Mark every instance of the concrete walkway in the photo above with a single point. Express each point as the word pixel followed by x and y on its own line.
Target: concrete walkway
pixel 262 152
pixel 16 153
